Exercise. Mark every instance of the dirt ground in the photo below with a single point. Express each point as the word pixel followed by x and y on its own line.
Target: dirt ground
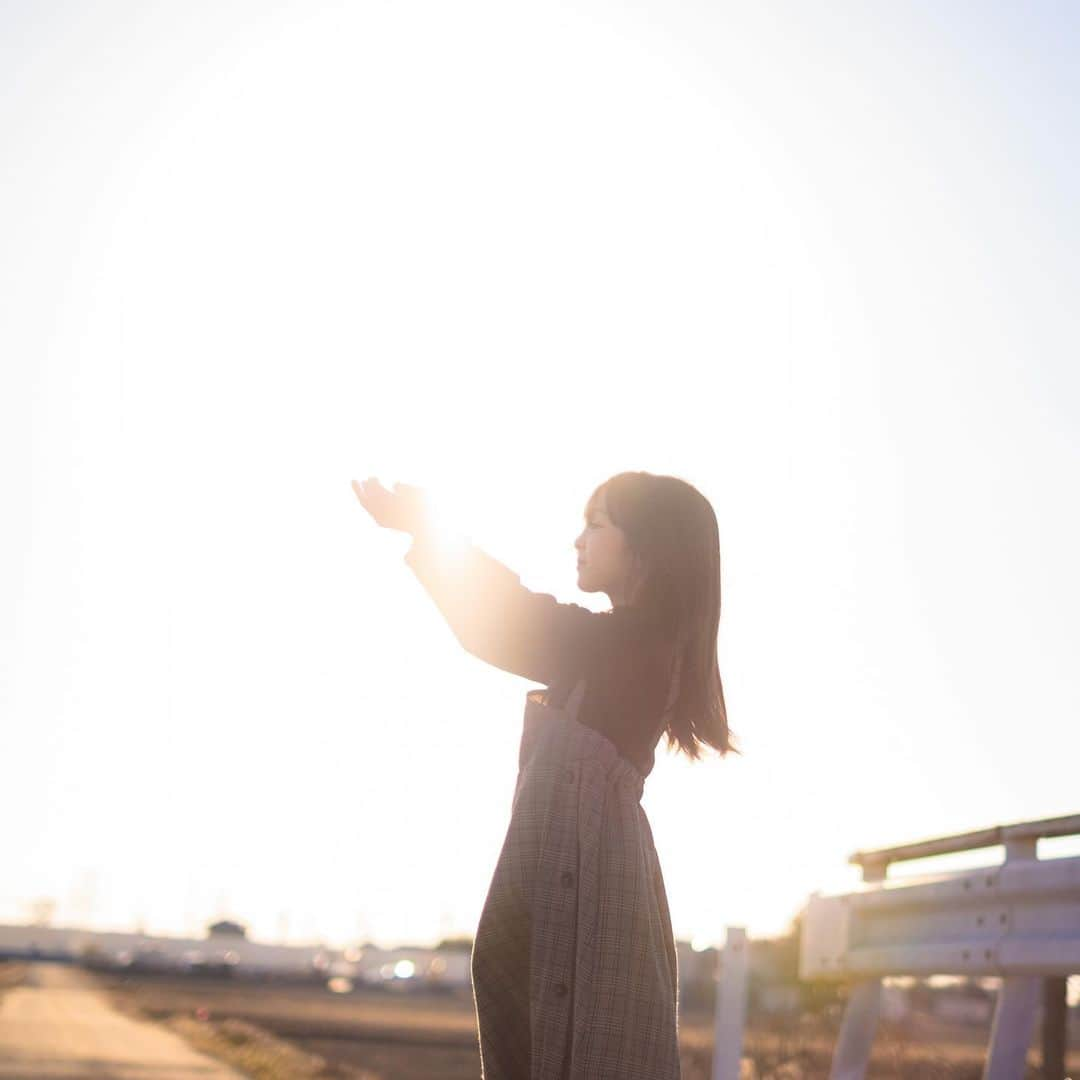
pixel 383 1035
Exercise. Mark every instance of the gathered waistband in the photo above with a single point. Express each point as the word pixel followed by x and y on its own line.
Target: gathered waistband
pixel 582 742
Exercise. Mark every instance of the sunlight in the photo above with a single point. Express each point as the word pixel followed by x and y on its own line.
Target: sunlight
pixel 502 253
pixel 447 525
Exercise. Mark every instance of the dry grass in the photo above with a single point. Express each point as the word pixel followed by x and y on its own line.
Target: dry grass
pixel 258 1054
pixel 416 1037
pixel 925 1049
pixel 12 973
pixel 244 1046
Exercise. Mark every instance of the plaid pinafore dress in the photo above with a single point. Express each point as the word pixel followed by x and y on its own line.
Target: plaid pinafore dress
pixel 574 969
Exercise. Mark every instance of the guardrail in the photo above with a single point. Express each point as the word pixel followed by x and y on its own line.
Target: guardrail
pixel 1019 920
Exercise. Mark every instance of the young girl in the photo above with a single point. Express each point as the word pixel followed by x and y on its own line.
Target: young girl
pixel 574 969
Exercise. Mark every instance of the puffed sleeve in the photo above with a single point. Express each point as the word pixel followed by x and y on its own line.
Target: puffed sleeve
pixel 499 620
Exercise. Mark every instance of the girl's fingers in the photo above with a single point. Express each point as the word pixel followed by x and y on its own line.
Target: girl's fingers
pixel 365 495
pixel 367 487
pixel 403 508
pixel 382 505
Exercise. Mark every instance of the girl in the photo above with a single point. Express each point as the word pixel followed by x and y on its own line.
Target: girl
pixel 574 968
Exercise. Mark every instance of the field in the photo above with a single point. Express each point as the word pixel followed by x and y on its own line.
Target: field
pixel 381 1035
pixel 12 972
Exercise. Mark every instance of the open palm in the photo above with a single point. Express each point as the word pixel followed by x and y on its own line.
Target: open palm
pixel 404 508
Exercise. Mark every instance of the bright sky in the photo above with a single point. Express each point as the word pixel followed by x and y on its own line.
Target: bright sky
pixel 821 261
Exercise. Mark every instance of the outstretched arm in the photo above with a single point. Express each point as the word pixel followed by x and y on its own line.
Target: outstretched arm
pixel 491 613
pixel 498 619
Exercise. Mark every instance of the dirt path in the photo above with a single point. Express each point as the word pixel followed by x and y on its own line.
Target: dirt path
pixel 58 1024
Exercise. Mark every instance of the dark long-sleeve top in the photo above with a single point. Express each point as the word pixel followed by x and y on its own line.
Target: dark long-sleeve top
pixel 531 634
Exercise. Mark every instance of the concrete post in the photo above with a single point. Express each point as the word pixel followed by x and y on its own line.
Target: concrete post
pixel 731 1005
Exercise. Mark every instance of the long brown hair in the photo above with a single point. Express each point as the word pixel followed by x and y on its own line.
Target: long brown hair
pixel 671 528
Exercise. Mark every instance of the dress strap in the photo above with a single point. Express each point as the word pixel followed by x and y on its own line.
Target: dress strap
pixel 568 696
pixel 577 695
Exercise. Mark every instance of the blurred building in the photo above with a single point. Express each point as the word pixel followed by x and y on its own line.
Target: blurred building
pixel 224 949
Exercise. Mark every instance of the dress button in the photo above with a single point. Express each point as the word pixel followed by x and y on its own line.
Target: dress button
pixel 561 990
pixel 567 878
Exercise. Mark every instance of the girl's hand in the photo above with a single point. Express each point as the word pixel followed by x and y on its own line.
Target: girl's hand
pixel 403 509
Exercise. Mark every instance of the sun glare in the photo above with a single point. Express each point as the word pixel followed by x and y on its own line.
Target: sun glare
pixel 446 526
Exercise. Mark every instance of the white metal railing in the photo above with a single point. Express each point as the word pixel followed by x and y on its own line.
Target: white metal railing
pixel 1019 920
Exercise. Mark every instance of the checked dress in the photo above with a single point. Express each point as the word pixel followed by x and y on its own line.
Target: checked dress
pixel 574 967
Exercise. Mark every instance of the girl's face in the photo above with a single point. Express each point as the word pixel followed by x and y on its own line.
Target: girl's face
pixel 605 562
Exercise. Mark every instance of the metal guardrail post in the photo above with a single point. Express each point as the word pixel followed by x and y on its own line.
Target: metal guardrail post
pixel 1019 997
pixel 855 1044
pixel 731 1005
pixel 1054 1027
pixel 1014 1025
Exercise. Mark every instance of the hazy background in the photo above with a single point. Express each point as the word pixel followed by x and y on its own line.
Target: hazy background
pixel 821 261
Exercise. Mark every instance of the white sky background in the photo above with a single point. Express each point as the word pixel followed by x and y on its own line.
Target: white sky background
pixel 822 262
